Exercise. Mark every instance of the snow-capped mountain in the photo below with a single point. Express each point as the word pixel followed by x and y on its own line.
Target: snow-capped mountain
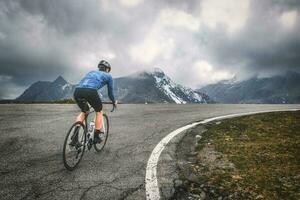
pixel 177 93
pixel 141 87
pixel 154 87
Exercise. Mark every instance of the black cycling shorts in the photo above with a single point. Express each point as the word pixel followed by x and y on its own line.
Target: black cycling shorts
pixel 84 95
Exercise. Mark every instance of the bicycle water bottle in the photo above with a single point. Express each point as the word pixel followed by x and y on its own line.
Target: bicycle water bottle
pixel 90 134
pixel 92 126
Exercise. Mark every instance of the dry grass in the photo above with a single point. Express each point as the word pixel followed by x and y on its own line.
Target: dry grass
pixel 264 150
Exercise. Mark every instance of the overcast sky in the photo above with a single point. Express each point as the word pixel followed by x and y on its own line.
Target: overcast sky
pixel 196 42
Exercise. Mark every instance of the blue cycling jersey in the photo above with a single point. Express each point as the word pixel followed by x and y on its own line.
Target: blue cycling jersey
pixel 96 80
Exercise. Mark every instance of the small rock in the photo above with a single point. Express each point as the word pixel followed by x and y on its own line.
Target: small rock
pixel 259 197
pixel 192 159
pixel 220 198
pixel 198 137
pixel 178 183
pixel 197 190
pixel 193 153
pixel 172 191
pixel 193 178
pixel 195 196
pixel 202 195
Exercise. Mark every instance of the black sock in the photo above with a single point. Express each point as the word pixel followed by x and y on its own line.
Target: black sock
pixel 97 132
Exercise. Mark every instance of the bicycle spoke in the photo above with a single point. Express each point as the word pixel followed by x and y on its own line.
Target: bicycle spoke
pixel 105 128
pixel 73 150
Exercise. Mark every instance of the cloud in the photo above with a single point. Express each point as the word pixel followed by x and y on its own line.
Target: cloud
pixel 288 19
pixel 178 18
pixel 196 74
pixel 194 42
pixel 203 69
pixel 130 3
pixel 8 90
pixel 263 46
pixel 230 13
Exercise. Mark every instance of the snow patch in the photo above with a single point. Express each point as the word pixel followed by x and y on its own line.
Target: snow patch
pixel 167 85
pixel 175 98
pixel 68 85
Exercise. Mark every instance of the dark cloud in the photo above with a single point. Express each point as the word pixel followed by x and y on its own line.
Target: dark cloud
pixel 263 45
pixel 40 40
pixel 286 4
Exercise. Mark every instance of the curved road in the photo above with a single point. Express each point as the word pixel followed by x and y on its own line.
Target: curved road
pixel 31 139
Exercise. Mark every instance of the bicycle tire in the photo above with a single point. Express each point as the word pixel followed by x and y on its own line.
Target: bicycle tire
pixel 100 146
pixel 66 144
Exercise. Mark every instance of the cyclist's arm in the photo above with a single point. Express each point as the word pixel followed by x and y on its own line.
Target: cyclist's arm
pixel 110 89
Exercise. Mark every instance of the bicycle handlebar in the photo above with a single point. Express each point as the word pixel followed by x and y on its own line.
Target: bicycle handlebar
pixel 107 102
pixel 113 109
pixel 91 111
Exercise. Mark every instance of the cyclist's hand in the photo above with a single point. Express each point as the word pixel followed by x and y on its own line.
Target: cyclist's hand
pixel 115 104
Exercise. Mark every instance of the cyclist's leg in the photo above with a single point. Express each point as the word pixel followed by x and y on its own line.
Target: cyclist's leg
pixel 79 94
pixel 80 117
pixel 95 101
pixel 98 126
pixel 98 120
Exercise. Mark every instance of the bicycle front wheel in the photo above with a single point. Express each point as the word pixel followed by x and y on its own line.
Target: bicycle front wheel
pixel 74 150
pixel 105 128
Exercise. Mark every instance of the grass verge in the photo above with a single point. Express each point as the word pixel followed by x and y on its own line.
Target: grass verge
pixel 250 157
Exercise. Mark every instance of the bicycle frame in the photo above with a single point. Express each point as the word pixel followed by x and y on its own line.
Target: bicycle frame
pixel 86 118
pixel 91 110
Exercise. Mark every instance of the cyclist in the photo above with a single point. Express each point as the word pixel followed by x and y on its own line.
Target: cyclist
pixel 87 89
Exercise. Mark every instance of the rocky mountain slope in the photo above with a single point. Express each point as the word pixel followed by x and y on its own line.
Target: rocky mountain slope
pixel 48 91
pixel 278 89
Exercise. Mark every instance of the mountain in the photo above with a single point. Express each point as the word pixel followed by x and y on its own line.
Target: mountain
pixel 142 87
pixel 48 91
pixel 154 87
pixel 278 89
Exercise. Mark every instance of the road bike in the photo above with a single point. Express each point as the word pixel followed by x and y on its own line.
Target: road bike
pixel 72 154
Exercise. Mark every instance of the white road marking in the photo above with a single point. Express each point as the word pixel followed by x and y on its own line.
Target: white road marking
pixel 151 183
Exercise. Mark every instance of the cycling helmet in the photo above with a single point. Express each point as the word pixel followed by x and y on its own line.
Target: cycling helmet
pixel 103 65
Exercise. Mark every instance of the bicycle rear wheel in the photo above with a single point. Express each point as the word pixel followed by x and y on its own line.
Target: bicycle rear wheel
pixel 105 127
pixel 72 155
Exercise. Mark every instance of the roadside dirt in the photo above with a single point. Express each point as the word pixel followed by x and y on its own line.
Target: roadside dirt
pixel 195 166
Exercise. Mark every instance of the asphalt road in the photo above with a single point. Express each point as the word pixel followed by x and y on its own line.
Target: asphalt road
pixel 31 139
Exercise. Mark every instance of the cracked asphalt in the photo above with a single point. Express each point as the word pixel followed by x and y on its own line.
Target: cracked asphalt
pixel 31 139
